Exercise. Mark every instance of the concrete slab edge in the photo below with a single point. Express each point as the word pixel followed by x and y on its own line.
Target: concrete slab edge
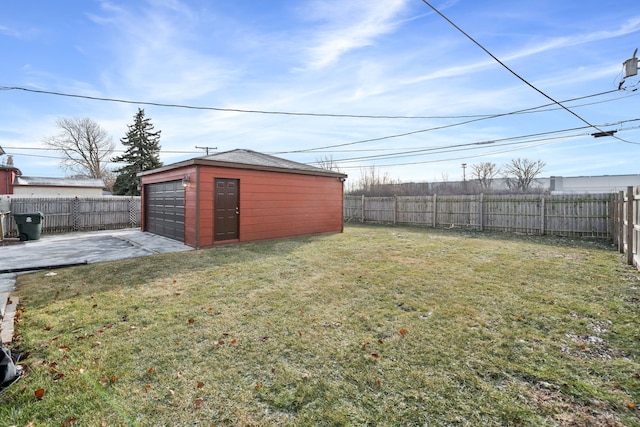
pixel 6 329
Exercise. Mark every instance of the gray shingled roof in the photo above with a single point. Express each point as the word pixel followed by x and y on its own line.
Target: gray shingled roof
pixel 38 181
pixel 253 158
pixel 249 159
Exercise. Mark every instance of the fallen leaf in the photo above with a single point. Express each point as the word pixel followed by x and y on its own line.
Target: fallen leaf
pixel 258 386
pixel 198 403
pixel 69 421
pixel 150 371
pixel 378 383
pixel 114 379
pixel 63 348
pixel 403 332
pixel 200 384
pixel 148 387
pixel 58 376
pixel 375 355
pixel 220 342
pixel 631 405
pixel 233 341
pixel 39 393
pixel 365 344
pixel 191 321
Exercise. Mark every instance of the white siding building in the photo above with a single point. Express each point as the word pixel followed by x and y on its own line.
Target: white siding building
pixel 27 186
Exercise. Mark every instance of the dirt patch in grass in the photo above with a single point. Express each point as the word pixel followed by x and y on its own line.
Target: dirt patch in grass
pixel 375 326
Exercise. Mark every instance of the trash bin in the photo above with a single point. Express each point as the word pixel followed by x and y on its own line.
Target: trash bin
pixel 29 225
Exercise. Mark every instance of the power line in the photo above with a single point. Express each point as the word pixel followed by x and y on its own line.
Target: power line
pixel 231 110
pixel 518 76
pixel 479 144
pixel 251 111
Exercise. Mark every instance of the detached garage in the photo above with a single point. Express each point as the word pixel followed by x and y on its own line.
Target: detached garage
pixel 240 196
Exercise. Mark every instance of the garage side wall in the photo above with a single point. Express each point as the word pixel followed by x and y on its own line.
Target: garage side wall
pixel 273 204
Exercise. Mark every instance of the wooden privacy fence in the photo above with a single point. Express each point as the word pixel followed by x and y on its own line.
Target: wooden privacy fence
pixel 584 215
pixel 75 214
pixel 626 224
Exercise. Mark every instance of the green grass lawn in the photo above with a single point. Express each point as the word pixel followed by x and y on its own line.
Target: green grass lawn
pixel 376 326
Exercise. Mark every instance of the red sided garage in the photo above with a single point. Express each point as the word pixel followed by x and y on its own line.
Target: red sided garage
pixel 240 196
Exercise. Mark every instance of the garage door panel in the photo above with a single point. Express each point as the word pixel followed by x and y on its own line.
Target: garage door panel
pixel 164 209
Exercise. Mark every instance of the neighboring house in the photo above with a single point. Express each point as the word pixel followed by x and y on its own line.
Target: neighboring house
pixel 8 175
pixel 12 182
pixel 31 186
pixel 240 196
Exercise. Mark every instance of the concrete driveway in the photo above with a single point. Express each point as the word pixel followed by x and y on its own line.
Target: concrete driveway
pixel 72 248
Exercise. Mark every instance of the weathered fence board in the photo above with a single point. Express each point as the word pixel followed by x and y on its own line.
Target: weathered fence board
pixel 627 225
pixel 567 215
pixel 75 214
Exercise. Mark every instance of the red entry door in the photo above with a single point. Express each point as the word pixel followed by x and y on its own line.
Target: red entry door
pixel 227 208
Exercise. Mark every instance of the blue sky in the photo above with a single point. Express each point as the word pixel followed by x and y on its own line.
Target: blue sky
pixel 377 58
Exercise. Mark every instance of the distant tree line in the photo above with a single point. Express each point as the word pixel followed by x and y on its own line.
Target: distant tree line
pixel 518 176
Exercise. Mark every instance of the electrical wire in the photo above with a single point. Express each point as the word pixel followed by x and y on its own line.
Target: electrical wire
pixel 333 115
pixel 518 76
pixel 478 144
pixel 232 110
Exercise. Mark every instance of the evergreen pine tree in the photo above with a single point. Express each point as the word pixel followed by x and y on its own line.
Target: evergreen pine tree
pixel 142 154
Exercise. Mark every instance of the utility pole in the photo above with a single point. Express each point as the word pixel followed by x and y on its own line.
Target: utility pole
pixel 464 177
pixel 206 149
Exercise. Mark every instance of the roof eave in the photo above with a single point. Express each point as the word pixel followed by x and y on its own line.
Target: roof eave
pixel 233 165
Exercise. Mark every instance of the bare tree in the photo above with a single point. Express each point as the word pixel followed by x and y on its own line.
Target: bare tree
pixel 84 145
pixel 485 173
pixel 372 183
pixel 327 162
pixel 520 173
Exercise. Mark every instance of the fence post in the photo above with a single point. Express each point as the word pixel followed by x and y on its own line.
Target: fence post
pixel 629 233
pixel 481 213
pixel 362 210
pixel 542 216
pixel 620 221
pixel 132 212
pixel 75 214
pixel 395 209
pixel 435 210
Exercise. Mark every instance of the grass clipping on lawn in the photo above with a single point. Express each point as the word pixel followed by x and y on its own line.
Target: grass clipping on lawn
pixel 376 326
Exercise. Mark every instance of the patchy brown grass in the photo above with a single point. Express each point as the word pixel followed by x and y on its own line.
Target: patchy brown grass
pixel 375 326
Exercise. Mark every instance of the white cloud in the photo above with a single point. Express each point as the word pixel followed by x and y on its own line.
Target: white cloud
pixel 348 25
